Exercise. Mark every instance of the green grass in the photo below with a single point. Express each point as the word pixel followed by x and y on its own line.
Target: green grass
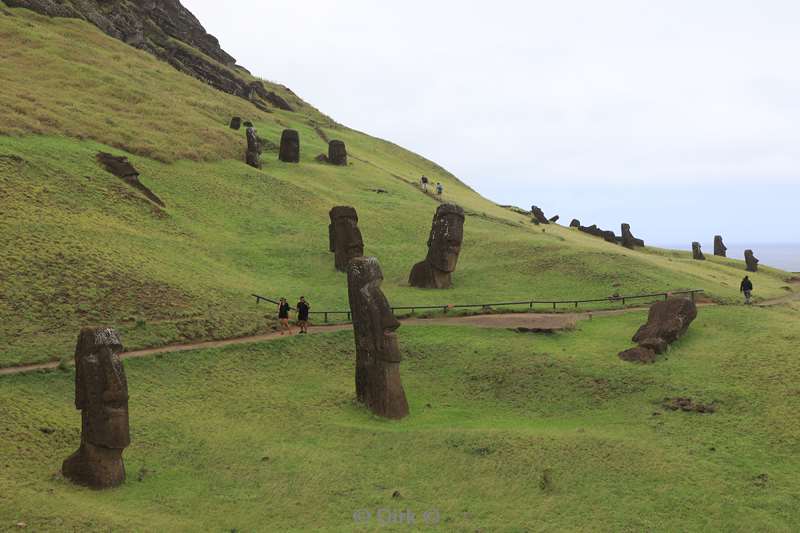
pixel 268 437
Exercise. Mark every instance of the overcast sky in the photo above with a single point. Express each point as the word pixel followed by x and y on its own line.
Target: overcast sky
pixel 680 117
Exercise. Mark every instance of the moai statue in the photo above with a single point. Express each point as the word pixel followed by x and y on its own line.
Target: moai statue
pixel 344 236
pixel 720 249
pixel 575 223
pixel 538 216
pixel 554 219
pixel 378 383
pixel 236 123
pixel 101 394
pixel 628 240
pixel 290 147
pixel 697 253
pixel 750 259
pixel 253 157
pixel 444 246
pixel 337 153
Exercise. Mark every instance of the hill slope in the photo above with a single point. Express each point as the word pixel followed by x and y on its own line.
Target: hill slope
pixel 80 246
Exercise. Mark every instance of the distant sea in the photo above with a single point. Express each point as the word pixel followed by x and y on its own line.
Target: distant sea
pixel 783 256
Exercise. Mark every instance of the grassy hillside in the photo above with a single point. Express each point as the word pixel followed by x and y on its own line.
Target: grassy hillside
pixel 81 247
pixel 507 432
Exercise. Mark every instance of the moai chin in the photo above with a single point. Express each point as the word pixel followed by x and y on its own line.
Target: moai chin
pixel 101 394
pixel 337 153
pixel 290 147
pixel 344 237
pixel 378 383
pixel 444 247
pixel 720 249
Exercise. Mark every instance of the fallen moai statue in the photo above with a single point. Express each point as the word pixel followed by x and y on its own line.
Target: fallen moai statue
pixel 667 321
pixel 101 394
pixel 538 216
pixel 608 236
pixel 378 383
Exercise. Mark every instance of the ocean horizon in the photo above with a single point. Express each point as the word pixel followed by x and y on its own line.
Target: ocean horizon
pixel 785 256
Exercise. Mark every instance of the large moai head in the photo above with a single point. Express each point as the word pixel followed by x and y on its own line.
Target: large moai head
pixel 720 249
pixel 538 216
pixel 337 153
pixel 101 394
pixel 447 234
pixel 236 123
pixel 697 253
pixel 290 147
pixel 378 355
pixel 345 238
pixel 751 260
pixel 253 155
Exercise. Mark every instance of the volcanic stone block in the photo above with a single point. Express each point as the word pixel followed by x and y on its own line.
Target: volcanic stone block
pixel 667 321
pixel 554 219
pixel 344 236
pixel 337 153
pixel 253 156
pixel 750 259
pixel 444 247
pixel 697 253
pixel 538 216
pixel 378 357
pixel 123 169
pixel 628 240
pixel 101 394
pixel 575 223
pixel 290 147
pixel 236 123
pixel 720 249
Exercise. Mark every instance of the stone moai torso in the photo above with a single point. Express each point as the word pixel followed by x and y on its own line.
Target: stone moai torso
pixel 538 216
pixel 344 236
pixel 236 123
pixel 697 253
pixel 101 394
pixel 444 247
pixel 337 153
pixel 720 249
pixel 377 378
pixel 751 261
pixel 253 156
pixel 290 147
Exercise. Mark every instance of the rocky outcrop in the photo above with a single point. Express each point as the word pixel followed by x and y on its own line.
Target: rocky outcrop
pixel 666 323
pixel 167 30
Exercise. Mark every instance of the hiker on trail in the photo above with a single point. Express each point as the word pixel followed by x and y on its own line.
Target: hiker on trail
pixel 423 183
pixel 439 188
pixel 747 289
pixel 302 314
pixel 283 316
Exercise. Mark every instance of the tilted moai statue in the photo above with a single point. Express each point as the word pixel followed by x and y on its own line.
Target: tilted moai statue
pixel 628 240
pixel 253 157
pixel 101 394
pixel 720 249
pixel 290 147
pixel 378 383
pixel 337 153
pixel 344 236
pixel 538 216
pixel 697 253
pixel 575 223
pixel 444 246
pixel 751 260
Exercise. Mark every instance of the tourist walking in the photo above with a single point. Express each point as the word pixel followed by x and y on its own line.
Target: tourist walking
pixel 302 314
pixel 283 316
pixel 423 183
pixel 747 289
pixel 439 188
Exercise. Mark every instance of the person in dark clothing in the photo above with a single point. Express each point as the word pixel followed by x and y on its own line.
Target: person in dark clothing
pixel 302 314
pixel 283 316
pixel 423 182
pixel 747 289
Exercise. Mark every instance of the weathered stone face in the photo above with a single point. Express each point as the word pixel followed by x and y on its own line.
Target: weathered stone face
pixel 666 323
pixel 720 249
pixel 253 156
pixel 538 216
pixel 444 247
pixel 697 253
pixel 628 240
pixel 378 356
pixel 751 261
pixel 337 153
pixel 346 238
pixel 290 147
pixel 101 394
